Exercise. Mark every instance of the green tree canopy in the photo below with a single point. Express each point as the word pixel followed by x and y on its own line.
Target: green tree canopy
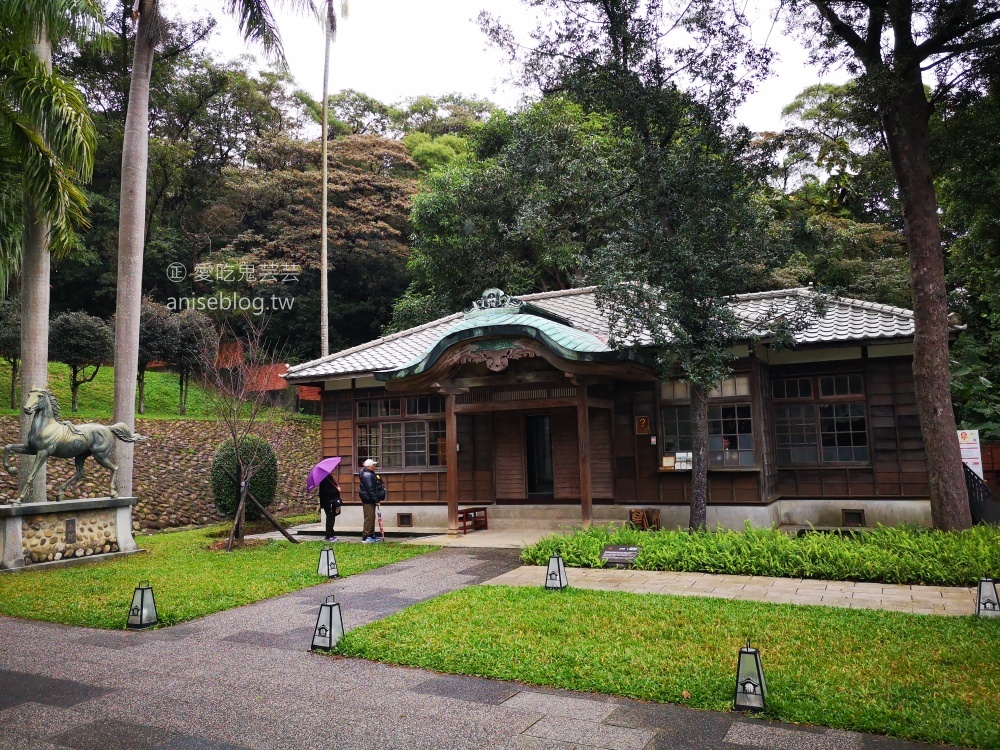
pixel 81 342
pixel 520 211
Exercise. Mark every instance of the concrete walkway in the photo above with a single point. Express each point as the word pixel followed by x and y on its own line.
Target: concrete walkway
pixel 923 600
pixel 497 539
pixel 244 679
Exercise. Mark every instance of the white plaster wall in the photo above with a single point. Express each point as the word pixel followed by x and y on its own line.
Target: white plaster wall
pixel 819 513
pixel 826 512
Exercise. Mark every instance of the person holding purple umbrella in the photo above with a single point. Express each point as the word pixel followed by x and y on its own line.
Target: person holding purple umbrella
pixel 321 476
pixel 330 502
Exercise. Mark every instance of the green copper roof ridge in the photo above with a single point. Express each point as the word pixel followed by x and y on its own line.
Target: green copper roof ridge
pixel 518 330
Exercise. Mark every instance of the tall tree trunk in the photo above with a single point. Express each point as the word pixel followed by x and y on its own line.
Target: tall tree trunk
pixel 324 270
pixel 131 227
pixel 142 390
pixel 35 273
pixel 13 382
pixel 699 458
pixel 75 389
pixel 906 123
pixel 241 508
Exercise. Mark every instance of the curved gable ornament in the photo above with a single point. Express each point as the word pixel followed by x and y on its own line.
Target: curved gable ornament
pixel 497 299
pixel 496 359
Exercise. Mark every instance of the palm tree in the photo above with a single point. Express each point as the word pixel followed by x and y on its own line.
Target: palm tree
pixel 47 144
pixel 329 34
pixel 256 23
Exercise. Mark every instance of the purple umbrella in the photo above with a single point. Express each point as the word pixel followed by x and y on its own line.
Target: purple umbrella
pixel 321 471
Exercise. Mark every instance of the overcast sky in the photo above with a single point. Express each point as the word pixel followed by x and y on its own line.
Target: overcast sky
pixel 394 49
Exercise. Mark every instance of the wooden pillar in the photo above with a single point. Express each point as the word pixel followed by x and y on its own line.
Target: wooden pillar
pixel 583 433
pixel 451 461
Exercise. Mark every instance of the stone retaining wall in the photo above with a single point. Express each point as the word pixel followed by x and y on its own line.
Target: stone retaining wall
pixel 171 476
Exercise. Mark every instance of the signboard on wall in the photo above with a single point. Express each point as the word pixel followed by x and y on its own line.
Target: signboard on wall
pixel 972 454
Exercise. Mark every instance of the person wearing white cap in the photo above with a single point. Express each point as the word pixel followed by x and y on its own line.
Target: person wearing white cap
pixel 371 491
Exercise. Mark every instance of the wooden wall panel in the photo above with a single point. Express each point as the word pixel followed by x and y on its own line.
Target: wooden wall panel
pixel 763 411
pixel 602 473
pixel 898 466
pixel 647 455
pixel 475 459
pixel 623 445
pixel 508 437
pixel 565 455
pixel 337 412
pixel 724 487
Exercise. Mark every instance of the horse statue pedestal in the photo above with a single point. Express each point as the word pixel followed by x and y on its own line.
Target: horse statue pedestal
pixel 65 532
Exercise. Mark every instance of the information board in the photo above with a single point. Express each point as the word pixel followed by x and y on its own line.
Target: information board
pixel 619 556
pixel 972 454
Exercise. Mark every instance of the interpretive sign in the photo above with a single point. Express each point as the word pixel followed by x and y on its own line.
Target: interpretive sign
pixel 70 531
pixel 619 556
pixel 972 454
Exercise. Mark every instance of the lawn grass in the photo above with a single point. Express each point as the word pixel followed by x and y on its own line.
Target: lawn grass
pixel 188 579
pixel 96 398
pixel 899 554
pixel 918 677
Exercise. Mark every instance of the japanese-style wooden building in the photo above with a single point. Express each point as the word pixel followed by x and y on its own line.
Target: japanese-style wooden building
pixel 520 405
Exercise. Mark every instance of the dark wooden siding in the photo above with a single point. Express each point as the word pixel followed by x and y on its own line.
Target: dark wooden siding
pixel 602 475
pixel 338 437
pixel 475 458
pixel 647 455
pixel 623 445
pixel 338 415
pixel 763 434
pixel 897 466
pixel 565 455
pixel 637 460
pixel 508 439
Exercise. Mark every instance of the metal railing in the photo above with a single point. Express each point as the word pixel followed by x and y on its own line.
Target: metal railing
pixel 981 503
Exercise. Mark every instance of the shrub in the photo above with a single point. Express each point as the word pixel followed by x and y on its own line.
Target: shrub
pixel 263 485
pixel 905 555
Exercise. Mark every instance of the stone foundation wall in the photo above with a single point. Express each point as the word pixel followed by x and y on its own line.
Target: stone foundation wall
pixel 171 475
pixel 44 538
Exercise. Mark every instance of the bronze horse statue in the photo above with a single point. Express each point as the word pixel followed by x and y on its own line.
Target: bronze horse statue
pixel 50 435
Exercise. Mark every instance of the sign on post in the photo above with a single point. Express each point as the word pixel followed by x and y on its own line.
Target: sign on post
pixel 972 454
pixel 619 556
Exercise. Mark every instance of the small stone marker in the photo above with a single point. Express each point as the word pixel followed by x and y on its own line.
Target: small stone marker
pixel 618 556
pixel 70 531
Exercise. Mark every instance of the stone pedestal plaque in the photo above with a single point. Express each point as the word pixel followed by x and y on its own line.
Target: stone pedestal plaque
pixel 56 532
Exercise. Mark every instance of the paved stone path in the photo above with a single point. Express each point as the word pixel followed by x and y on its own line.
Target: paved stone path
pixel 490 538
pixel 923 600
pixel 244 679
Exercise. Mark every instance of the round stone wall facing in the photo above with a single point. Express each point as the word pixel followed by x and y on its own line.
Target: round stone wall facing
pixel 57 536
pixel 171 475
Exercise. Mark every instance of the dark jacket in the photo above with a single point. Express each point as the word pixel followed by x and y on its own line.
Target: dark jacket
pixel 329 495
pixel 368 486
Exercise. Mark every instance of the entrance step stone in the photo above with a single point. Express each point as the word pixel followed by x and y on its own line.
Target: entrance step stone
pixel 550 517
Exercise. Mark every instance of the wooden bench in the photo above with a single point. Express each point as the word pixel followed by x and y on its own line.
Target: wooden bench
pixel 471 519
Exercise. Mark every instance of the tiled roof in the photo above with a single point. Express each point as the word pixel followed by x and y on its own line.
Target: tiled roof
pixel 845 320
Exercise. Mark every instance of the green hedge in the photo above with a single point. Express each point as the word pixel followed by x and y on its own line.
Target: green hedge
pixel 898 554
pixel 263 485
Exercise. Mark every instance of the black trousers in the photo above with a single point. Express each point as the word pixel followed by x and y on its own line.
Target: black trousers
pixel 331 519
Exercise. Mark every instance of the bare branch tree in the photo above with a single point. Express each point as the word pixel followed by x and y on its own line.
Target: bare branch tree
pixel 234 389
